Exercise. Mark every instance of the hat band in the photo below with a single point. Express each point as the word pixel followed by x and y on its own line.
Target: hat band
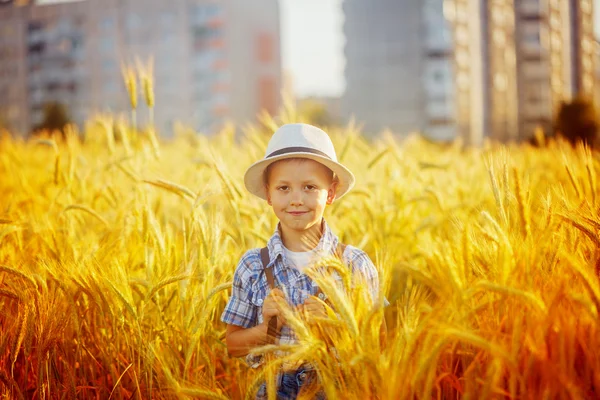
pixel 297 150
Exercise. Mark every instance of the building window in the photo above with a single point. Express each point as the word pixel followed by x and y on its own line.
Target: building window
pixel 63 25
pixel 265 47
pixel 133 22
pixel 107 44
pixel 108 65
pixel 76 42
pixel 203 60
pixel 37 48
pixel 532 38
pixel 35 26
pixel 202 13
pixel 213 10
pixel 440 121
pixel 52 86
pixel 168 19
pixel 7 31
pixel 111 86
pixel 267 94
pixel 64 46
pixel 500 82
pixel 108 23
pixel 200 32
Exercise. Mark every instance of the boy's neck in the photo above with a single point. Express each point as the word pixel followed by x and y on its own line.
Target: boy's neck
pixel 299 241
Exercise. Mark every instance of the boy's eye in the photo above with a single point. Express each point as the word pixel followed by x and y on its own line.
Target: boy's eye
pixel 310 187
pixel 282 188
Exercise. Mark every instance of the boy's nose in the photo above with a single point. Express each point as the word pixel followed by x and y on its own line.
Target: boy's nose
pixel 296 199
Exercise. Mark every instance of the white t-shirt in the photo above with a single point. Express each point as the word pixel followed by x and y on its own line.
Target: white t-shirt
pixel 299 259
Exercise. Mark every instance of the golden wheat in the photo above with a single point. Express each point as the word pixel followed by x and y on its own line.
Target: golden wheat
pixel 115 266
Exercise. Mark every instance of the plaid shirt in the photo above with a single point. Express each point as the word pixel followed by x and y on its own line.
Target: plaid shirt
pixel 250 286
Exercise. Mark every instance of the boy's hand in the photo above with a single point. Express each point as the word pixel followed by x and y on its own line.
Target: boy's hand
pixel 312 308
pixel 272 306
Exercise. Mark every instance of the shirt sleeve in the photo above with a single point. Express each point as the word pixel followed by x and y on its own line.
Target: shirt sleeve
pixel 362 264
pixel 239 310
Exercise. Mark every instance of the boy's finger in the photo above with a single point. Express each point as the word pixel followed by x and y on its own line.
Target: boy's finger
pixel 312 300
pixel 314 308
pixel 271 311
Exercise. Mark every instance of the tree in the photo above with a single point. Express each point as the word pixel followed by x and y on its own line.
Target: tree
pixel 3 122
pixel 55 118
pixel 577 121
pixel 315 112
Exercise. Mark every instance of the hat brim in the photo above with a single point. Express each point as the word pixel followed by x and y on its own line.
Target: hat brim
pixel 254 181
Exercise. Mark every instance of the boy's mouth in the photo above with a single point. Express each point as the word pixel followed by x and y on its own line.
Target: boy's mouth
pixel 296 213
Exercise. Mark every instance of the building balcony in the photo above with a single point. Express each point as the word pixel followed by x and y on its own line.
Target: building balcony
pixel 531 49
pixel 220 64
pixel 530 10
pixel 535 69
pixel 438 53
pixel 220 88
pixel 215 22
pixel 220 110
pixel 440 121
pixel 535 111
pixel 37 48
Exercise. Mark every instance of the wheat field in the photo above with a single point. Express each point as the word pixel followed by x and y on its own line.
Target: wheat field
pixel 117 252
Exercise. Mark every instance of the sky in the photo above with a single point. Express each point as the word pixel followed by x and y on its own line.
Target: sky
pixel 313 45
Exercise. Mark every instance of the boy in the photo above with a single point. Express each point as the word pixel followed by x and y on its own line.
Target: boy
pixel 298 177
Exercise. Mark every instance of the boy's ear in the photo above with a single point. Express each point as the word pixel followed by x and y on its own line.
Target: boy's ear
pixel 331 192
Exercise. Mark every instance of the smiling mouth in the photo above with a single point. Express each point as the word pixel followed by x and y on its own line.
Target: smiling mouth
pixel 297 212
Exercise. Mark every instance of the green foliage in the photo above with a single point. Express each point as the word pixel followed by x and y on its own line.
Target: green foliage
pixel 56 118
pixel 577 121
pixel 315 112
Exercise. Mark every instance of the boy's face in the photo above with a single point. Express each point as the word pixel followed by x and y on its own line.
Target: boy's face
pixel 299 190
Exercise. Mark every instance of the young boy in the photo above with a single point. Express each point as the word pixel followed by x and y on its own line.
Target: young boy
pixel 298 177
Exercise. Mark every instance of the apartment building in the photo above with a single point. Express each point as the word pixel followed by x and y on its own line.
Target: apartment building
pixel 533 55
pixel 383 65
pixel 597 91
pixel 473 68
pixel 212 60
pixel 399 67
pixel 14 109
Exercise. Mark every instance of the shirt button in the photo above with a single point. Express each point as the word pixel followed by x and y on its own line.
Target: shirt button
pixel 260 301
pixel 322 296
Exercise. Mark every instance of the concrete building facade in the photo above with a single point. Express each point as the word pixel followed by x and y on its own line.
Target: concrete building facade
pixel 399 67
pixel 473 68
pixel 212 60
pixel 14 110
pixel 383 85
pixel 534 54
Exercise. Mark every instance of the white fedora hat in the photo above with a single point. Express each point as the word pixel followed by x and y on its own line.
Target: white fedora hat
pixel 298 141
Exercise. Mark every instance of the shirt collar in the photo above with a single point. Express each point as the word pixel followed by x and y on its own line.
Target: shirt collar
pixel 327 243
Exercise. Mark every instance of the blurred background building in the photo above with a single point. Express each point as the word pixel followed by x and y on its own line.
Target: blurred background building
pixel 445 68
pixel 398 66
pixel 473 67
pixel 597 89
pixel 213 61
